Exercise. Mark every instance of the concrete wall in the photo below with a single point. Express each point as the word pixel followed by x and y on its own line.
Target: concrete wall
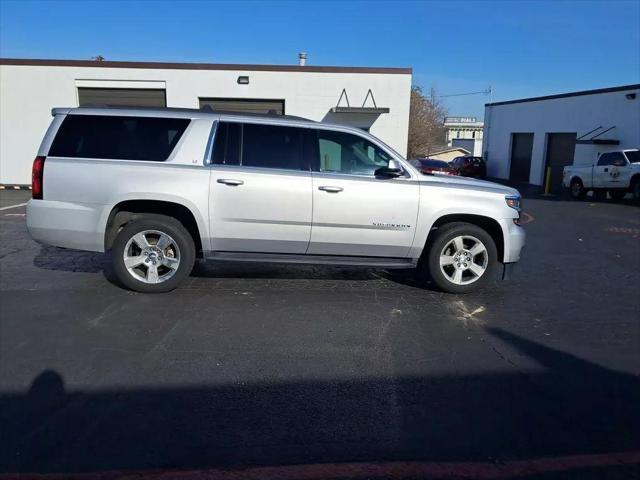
pixel 28 92
pixel 578 114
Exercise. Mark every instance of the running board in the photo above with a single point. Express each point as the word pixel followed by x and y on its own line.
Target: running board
pixel 372 262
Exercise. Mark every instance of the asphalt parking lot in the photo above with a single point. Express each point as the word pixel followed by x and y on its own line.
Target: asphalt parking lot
pixel 266 365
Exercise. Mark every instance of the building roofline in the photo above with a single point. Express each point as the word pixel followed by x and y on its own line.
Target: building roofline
pixel 201 66
pixel 566 95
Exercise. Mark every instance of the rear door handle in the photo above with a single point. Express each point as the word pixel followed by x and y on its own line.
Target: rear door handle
pixel 331 189
pixel 230 181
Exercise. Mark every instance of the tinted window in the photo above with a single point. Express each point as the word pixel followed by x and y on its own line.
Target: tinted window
pixel 617 158
pixel 347 153
pixel 633 156
pixel 226 150
pixel 124 138
pixel 605 159
pixel 272 146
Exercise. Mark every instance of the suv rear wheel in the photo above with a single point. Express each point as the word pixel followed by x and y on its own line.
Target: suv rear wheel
pixel 461 258
pixel 153 254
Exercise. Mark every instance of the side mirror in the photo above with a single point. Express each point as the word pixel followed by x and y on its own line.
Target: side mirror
pixel 393 170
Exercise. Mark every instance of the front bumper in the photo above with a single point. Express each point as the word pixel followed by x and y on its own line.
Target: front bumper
pixel 514 240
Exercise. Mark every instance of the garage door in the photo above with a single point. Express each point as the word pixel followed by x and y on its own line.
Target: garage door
pixel 561 148
pixel 121 97
pixel 521 148
pixel 242 105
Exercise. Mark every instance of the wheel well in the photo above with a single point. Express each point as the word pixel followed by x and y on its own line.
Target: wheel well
pixel 491 226
pixel 129 210
pixel 634 179
pixel 573 179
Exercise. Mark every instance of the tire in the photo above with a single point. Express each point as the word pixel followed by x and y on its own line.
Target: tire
pixel 617 194
pixel 635 189
pixel 151 268
pixel 576 189
pixel 464 279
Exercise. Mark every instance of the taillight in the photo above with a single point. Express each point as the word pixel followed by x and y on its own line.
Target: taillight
pixel 37 178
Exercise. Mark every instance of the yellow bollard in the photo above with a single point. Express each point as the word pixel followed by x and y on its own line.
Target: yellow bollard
pixel 547 184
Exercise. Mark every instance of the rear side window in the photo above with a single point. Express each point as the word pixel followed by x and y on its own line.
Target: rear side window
pixel 226 150
pixel 272 146
pixel 256 145
pixel 122 138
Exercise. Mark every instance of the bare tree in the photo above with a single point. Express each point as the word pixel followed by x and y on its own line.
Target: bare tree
pixel 426 123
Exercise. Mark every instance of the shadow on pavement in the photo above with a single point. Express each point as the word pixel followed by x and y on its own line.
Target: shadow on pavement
pixel 566 407
pixel 67 260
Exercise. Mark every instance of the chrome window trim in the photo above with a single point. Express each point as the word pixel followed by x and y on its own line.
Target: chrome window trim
pixel 409 169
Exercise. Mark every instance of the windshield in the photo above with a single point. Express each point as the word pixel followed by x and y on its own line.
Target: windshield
pixel 633 156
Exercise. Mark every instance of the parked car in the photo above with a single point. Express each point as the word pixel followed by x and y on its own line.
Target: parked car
pixel 160 188
pixel 616 172
pixel 468 166
pixel 428 166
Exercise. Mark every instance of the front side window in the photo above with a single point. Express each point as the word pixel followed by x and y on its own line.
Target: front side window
pixel 617 159
pixel 347 153
pixel 118 137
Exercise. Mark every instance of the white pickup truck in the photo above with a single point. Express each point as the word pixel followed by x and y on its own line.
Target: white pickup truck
pixel 162 187
pixel 617 172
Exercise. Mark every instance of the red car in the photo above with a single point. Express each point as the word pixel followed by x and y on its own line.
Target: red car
pixel 469 166
pixel 429 166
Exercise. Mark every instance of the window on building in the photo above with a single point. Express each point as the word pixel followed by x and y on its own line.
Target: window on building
pixel 347 153
pixel 118 137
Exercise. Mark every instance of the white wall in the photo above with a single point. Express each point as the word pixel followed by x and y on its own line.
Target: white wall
pixel 28 93
pixel 578 114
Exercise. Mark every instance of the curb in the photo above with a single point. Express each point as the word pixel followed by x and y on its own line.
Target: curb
pixel 14 187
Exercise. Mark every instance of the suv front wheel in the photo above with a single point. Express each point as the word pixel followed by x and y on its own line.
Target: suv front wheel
pixel 461 258
pixel 153 254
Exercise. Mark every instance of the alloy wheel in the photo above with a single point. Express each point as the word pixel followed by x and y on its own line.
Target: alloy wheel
pixel 151 256
pixel 464 259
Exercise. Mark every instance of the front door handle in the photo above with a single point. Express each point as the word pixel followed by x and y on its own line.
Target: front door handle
pixel 606 169
pixel 331 189
pixel 230 181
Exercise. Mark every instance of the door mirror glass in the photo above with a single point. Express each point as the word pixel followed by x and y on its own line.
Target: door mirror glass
pixel 392 170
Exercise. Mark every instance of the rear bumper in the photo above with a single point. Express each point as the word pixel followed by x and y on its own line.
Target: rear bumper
pixel 64 224
pixel 514 240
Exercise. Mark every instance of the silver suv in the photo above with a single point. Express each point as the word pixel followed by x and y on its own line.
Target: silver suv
pixel 160 188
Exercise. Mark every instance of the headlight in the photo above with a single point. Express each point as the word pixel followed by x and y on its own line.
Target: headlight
pixel 514 202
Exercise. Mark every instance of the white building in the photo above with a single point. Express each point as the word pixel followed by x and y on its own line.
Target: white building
pixel 376 99
pixel 464 132
pixel 524 137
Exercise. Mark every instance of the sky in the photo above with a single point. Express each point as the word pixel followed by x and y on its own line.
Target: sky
pixel 519 48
